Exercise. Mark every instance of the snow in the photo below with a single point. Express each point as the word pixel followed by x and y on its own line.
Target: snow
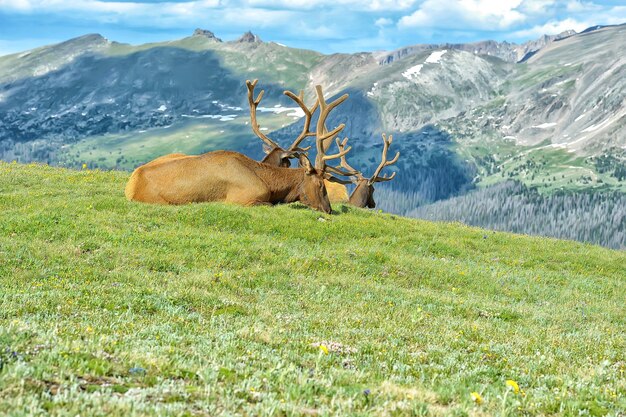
pixel 580 117
pixel 598 126
pixel 371 92
pixel 278 109
pixel 162 108
pixel 544 126
pixel 220 117
pixel 413 71
pixel 435 57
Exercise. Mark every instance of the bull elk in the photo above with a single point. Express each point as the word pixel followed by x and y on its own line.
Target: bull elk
pixel 363 194
pixel 278 156
pixel 226 176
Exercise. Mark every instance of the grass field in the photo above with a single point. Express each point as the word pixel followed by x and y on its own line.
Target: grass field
pixel 111 308
pixel 191 136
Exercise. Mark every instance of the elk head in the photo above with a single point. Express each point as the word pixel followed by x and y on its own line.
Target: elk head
pixel 313 191
pixel 363 194
pixel 276 155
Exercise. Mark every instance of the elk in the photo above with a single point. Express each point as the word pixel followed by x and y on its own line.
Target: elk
pixel 226 176
pixel 276 155
pixel 363 194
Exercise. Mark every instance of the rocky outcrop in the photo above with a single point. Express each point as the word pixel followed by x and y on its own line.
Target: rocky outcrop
pixel 249 37
pixel 207 34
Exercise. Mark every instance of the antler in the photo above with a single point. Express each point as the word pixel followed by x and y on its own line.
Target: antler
pixel 322 134
pixel 384 162
pixel 308 114
pixel 347 171
pixel 254 103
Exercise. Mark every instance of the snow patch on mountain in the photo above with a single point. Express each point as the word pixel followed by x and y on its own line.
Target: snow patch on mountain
pixel 435 57
pixel 410 73
pixel 544 126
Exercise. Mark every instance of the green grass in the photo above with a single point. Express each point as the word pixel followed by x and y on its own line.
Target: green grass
pixel 112 308
pixel 540 166
pixel 191 136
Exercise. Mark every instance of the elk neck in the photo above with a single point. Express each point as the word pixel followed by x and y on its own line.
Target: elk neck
pixel 273 157
pixel 285 184
pixel 359 196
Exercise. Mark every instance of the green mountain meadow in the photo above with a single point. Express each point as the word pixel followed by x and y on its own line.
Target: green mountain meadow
pixel 112 308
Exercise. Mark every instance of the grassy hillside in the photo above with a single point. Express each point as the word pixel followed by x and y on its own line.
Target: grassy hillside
pixel 122 309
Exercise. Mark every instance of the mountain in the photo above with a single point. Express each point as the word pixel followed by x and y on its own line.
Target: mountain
pixel 550 113
pixel 506 51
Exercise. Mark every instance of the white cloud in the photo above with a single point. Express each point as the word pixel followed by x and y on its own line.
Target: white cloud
pixel 465 14
pixel 349 5
pixel 550 28
pixel 575 6
pixel 111 7
pixel 383 21
pixel 537 6
pixel 590 14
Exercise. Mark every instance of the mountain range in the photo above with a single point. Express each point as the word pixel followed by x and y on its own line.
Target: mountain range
pixel 550 113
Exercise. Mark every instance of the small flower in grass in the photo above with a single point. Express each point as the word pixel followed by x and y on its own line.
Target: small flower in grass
pixel 513 385
pixel 324 349
pixel 137 370
pixel 367 392
pixel 476 397
pixel 84 166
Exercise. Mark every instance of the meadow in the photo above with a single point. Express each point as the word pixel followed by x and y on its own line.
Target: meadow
pixel 112 308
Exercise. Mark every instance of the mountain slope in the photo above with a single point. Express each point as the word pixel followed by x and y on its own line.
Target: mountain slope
pixel 461 116
pixel 127 309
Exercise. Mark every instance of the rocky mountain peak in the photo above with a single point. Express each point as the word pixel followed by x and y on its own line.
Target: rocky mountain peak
pixel 207 34
pixel 249 37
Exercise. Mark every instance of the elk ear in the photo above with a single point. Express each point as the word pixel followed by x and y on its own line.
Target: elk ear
pixel 306 164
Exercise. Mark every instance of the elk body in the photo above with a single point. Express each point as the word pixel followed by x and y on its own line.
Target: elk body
pixel 278 156
pixel 226 176
pixel 363 194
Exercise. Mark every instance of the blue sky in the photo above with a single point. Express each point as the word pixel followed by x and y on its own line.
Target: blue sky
pixel 324 25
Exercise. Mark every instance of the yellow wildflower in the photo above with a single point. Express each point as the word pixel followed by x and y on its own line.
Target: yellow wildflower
pixel 476 397
pixel 324 349
pixel 513 384
pixel 84 166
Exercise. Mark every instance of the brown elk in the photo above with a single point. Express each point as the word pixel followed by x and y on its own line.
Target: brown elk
pixel 278 156
pixel 226 176
pixel 363 194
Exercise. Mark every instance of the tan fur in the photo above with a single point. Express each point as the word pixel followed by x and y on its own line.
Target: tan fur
pixel 337 193
pixel 224 176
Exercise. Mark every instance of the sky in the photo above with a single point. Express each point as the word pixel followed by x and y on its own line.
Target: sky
pixel 327 26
